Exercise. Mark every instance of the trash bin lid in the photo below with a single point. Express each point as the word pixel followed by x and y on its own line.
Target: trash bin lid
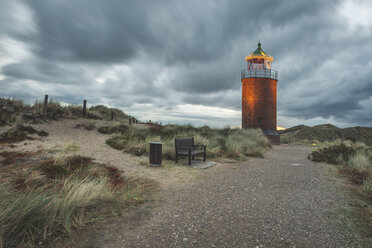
pixel 156 143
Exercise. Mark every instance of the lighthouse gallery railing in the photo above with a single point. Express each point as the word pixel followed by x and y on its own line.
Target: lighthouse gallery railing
pixel 260 73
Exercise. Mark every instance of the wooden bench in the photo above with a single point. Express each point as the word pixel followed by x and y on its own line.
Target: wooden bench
pixel 186 147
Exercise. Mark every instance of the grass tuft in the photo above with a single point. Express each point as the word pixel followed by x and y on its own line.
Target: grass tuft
pixel 87 126
pixel 71 147
pixel 18 132
pixel 41 201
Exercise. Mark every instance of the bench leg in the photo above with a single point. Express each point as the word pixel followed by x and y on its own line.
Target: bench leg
pixel 193 157
pixel 205 153
pixel 189 156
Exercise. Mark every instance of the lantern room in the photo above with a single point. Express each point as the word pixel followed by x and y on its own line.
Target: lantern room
pixel 259 60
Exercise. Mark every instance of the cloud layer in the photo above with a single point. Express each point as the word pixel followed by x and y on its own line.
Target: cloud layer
pixel 180 61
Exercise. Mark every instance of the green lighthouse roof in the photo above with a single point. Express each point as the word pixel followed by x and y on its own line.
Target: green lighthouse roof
pixel 259 53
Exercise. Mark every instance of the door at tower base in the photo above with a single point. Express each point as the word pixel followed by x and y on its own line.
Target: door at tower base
pixel 273 136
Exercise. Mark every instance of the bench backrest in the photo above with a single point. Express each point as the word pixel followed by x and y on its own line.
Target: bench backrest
pixel 183 142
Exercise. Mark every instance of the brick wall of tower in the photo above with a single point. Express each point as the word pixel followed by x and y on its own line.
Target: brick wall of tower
pixel 259 103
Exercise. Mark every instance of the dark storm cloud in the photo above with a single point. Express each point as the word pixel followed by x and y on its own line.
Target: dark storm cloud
pixel 169 53
pixel 96 31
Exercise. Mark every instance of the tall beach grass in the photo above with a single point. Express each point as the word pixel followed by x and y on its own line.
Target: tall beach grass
pixel 39 203
pixel 233 143
pixel 354 159
pixel 12 108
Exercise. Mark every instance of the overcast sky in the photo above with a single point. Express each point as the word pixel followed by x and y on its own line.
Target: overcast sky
pixel 178 61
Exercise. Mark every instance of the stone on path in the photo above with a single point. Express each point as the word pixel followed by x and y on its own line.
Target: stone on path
pixel 202 164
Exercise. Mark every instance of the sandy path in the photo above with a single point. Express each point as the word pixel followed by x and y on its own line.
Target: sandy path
pixel 283 200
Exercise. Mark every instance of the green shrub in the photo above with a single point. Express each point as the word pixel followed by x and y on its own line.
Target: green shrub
pixel 355 159
pixel 336 154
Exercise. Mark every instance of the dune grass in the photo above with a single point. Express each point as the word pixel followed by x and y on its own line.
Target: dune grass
pixel 232 143
pixel 353 159
pixel 325 133
pixel 11 109
pixel 89 126
pixel 71 147
pixel 19 132
pixel 54 197
pixel 114 127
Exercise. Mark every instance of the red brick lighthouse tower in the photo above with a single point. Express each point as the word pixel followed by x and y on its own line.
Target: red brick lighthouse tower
pixel 259 83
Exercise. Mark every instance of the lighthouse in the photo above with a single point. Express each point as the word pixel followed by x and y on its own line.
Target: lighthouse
pixel 259 86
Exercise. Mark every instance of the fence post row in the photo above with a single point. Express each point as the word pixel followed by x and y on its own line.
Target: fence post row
pixel 132 120
pixel 85 108
pixel 45 105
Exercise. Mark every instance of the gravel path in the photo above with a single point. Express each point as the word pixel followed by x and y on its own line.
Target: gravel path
pixel 283 200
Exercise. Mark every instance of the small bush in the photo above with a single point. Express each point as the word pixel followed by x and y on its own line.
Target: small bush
pixel 114 128
pixel 355 159
pixel 94 115
pixel 337 154
pixel 87 126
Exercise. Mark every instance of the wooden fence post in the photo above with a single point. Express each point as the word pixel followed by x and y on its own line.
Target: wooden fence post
pixel 112 115
pixel 45 105
pixel 130 121
pixel 85 108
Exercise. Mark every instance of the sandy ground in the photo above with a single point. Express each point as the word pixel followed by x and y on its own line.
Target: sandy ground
pixel 92 144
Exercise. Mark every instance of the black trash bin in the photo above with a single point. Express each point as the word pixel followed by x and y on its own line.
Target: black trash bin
pixel 155 153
